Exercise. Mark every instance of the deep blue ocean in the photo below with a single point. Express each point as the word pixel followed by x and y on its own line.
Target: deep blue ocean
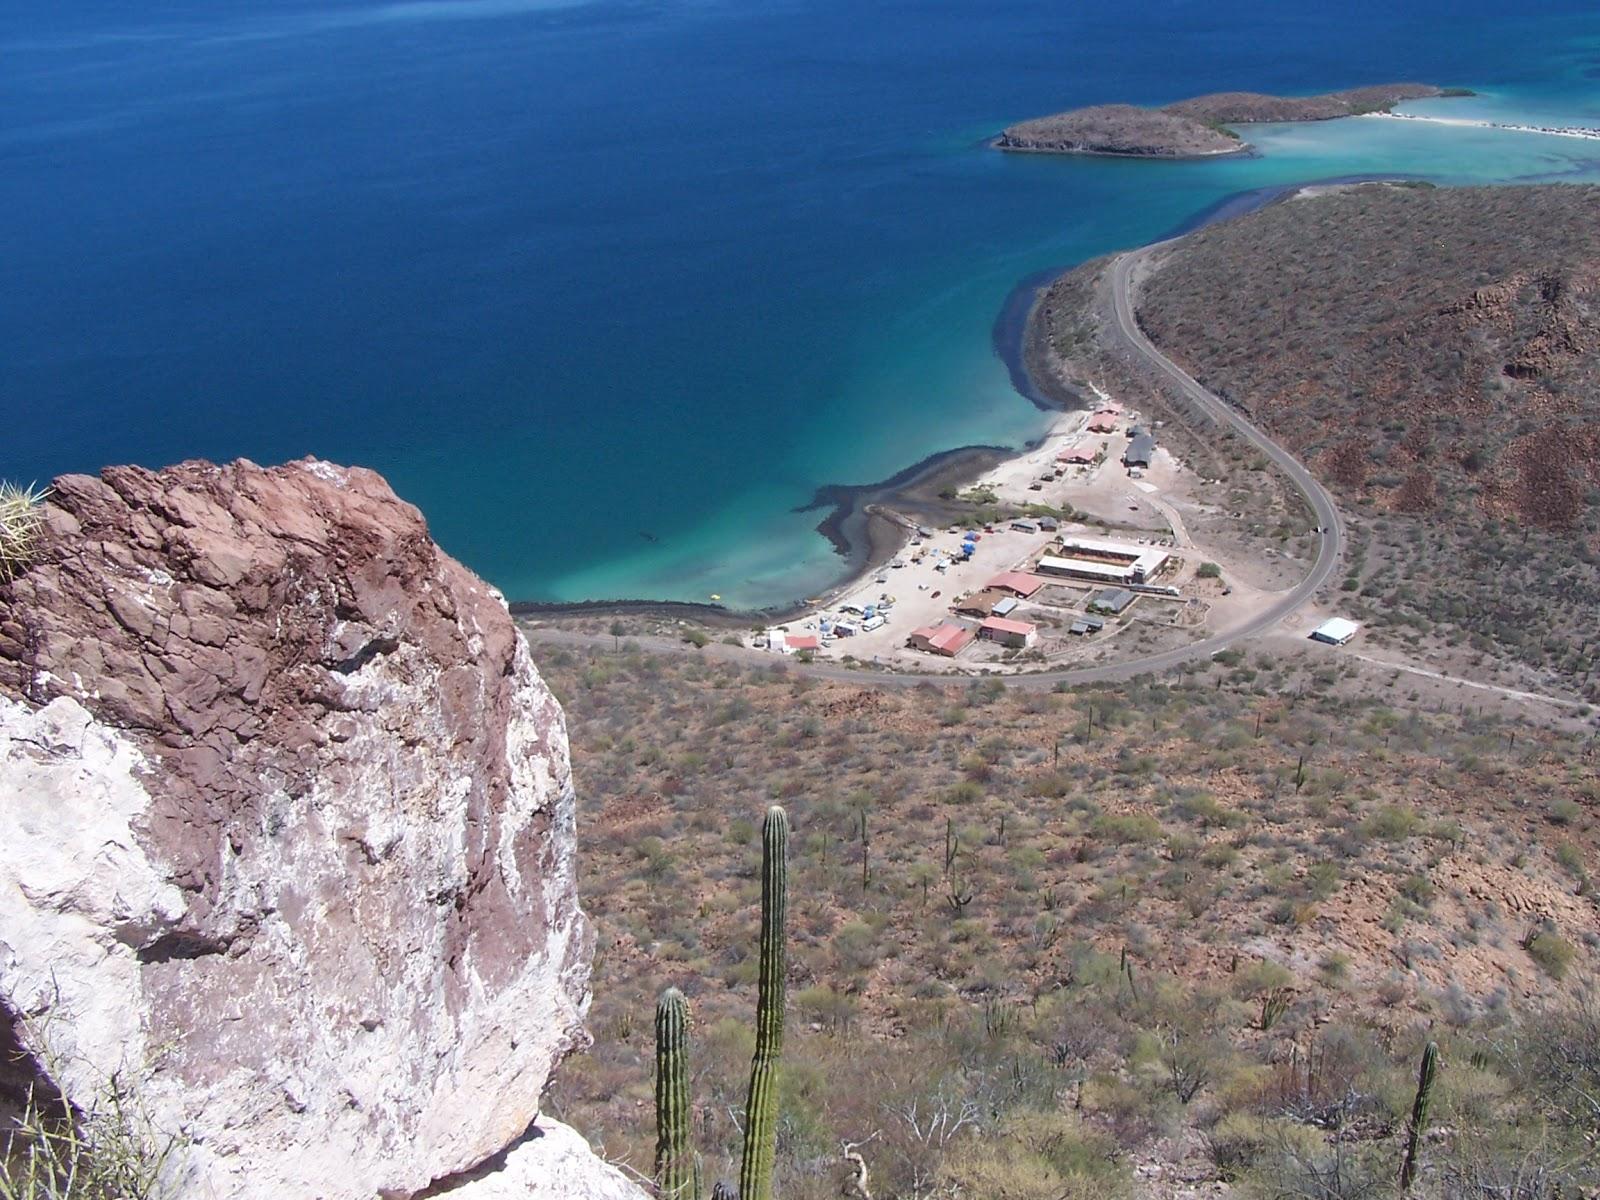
pixel 574 274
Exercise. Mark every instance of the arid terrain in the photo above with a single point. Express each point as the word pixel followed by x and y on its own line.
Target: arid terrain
pixel 1431 354
pixel 1162 939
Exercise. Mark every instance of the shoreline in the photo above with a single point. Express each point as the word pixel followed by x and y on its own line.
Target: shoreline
pixel 1243 150
pixel 1585 132
pixel 862 525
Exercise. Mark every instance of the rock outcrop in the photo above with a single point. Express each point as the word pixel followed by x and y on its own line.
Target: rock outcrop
pixel 289 837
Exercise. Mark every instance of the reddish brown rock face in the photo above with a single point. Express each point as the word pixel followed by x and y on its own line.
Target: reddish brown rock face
pixel 348 769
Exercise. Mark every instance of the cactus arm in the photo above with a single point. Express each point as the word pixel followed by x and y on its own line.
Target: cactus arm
pixel 761 1108
pixel 674 1161
pixel 1419 1113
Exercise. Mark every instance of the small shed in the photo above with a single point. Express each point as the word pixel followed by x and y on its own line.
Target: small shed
pixel 1111 600
pixel 1335 631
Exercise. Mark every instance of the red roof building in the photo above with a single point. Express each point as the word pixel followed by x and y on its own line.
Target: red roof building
pixel 1104 420
pixel 803 641
pixel 1081 453
pixel 1008 632
pixel 944 638
pixel 1018 583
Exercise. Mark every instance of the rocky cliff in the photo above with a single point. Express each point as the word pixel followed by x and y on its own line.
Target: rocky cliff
pixel 289 839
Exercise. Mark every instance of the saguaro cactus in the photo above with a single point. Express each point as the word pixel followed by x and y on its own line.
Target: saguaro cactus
pixel 1419 1113
pixel 761 1109
pixel 674 1160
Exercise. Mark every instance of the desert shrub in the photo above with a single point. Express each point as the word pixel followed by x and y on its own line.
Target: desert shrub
pixel 1551 951
pixel 1570 857
pixel 1241 1140
pixel 1564 811
pixel 1392 823
pixel 1289 1166
pixel 1038 1156
pixel 1123 828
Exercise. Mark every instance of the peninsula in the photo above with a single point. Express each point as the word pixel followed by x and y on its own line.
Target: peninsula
pixel 1196 128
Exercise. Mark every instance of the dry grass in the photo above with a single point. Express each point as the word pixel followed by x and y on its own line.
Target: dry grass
pixel 56 1151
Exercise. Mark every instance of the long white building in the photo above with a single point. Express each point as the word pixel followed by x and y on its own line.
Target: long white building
pixel 1102 561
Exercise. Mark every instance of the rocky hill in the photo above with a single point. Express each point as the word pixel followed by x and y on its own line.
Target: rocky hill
pixel 289 851
pixel 1122 130
pixel 1243 108
pixel 1435 355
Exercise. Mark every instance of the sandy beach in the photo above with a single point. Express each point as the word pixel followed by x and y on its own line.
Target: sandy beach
pixel 1567 131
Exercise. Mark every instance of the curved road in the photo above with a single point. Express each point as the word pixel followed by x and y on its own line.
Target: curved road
pixel 1125 328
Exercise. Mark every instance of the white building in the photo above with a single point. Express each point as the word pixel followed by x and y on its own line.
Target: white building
pixel 1103 562
pixel 1335 631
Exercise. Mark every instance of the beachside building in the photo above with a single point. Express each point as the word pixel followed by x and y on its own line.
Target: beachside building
pixel 945 638
pixel 1017 634
pixel 1097 561
pixel 1104 420
pixel 1335 631
pixel 1017 583
pixel 1140 451
pixel 984 603
pixel 803 641
pixel 1083 452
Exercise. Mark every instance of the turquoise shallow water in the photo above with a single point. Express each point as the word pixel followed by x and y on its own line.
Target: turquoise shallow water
pixel 575 274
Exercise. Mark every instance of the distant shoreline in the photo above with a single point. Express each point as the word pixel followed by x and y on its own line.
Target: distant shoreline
pixel 1199 128
pixel 1586 132
pixel 857 524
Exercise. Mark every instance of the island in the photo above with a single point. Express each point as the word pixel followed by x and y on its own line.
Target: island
pixel 1197 128
pixel 1121 131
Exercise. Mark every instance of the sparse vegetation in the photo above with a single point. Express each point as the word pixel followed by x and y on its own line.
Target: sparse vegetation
pixel 102 1148
pixel 1035 973
pixel 1437 371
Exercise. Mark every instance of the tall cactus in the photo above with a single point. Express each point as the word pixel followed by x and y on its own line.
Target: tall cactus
pixel 674 1160
pixel 1419 1113
pixel 761 1108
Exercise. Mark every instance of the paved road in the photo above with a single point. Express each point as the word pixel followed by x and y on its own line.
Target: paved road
pixel 1330 540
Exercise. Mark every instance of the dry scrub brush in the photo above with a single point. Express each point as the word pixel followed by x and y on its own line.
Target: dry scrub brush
pixel 57 1152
